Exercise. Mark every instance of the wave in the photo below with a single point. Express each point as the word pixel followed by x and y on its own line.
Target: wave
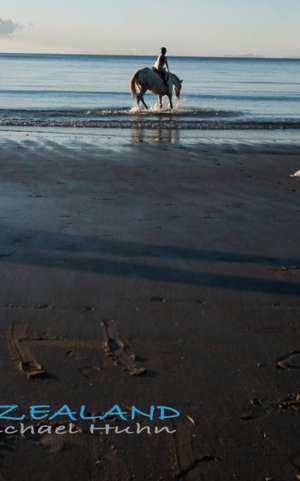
pixel 66 93
pixel 251 96
pixel 181 117
pixel 144 123
pixel 116 112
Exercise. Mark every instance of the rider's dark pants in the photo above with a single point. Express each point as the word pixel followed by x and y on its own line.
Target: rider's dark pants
pixel 163 75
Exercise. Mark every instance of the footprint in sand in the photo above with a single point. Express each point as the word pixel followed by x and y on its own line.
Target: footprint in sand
pixel 19 345
pixel 188 463
pixel 119 351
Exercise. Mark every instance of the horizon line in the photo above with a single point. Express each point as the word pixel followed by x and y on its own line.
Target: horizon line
pixel 228 56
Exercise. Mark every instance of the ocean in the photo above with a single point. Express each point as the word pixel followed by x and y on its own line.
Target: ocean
pixel 85 91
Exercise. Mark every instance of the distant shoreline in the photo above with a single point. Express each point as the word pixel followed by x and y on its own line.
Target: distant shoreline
pixel 190 57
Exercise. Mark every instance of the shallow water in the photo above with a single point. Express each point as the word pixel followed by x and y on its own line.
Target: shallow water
pixel 92 92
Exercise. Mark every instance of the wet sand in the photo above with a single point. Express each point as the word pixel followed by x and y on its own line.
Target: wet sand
pixel 152 274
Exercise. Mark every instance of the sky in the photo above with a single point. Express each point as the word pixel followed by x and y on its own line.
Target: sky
pixel 186 27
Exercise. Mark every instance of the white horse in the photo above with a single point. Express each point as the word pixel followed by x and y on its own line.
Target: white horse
pixel 147 79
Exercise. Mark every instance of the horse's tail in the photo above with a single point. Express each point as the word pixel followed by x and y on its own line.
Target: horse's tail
pixel 134 84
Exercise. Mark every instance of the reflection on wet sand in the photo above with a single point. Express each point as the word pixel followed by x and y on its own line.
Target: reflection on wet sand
pixel 160 135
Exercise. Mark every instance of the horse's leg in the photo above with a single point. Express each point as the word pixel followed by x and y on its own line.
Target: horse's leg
pixel 171 102
pixel 140 98
pixel 160 101
pixel 143 101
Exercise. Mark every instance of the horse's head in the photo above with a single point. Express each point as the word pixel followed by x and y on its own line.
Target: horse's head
pixel 178 87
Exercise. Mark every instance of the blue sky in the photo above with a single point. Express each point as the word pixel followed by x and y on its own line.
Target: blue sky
pixel 186 27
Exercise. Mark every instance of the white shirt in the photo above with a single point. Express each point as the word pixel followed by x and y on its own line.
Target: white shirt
pixel 161 62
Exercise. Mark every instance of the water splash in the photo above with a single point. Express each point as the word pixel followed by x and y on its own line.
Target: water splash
pixel 135 109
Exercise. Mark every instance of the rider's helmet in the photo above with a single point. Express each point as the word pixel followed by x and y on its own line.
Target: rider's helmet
pixel 163 50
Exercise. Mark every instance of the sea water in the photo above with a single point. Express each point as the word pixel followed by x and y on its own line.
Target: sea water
pixel 85 91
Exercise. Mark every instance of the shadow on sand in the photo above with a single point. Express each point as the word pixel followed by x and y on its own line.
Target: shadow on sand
pixel 132 259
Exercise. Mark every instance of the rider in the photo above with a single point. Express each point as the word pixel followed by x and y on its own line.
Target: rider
pixel 161 65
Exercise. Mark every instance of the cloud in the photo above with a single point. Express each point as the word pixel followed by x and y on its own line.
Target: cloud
pixel 7 27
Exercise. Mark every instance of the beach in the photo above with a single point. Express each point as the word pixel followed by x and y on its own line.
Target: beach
pixel 146 273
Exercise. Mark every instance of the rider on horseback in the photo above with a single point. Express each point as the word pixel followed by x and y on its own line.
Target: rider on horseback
pixel 151 79
pixel 161 66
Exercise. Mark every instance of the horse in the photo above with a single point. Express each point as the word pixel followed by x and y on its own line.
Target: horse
pixel 148 79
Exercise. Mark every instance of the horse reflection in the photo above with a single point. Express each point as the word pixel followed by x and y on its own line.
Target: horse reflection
pixel 160 135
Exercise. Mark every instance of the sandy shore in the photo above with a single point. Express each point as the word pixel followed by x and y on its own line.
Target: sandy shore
pixel 152 274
